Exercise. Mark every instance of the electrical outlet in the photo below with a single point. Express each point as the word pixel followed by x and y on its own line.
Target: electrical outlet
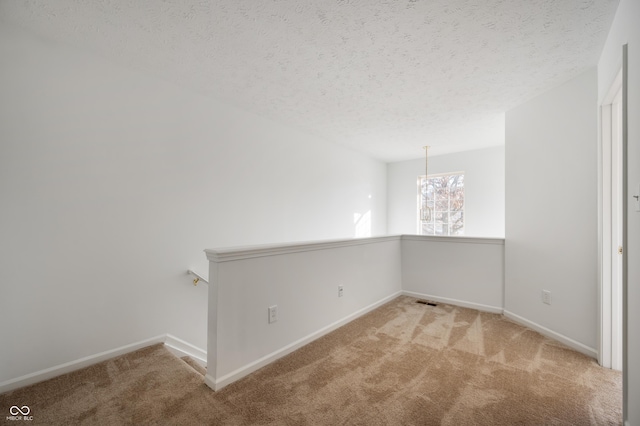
pixel 273 314
pixel 546 297
pixel 340 290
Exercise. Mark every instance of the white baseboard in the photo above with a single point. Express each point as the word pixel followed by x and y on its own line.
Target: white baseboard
pixel 68 367
pixel 250 368
pixel 520 320
pixel 456 302
pixel 553 335
pixel 181 348
pixel 210 381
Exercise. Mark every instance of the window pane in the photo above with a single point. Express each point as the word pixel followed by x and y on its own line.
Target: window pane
pixel 427 228
pixel 442 216
pixel 442 204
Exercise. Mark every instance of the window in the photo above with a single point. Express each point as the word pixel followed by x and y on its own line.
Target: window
pixel 445 196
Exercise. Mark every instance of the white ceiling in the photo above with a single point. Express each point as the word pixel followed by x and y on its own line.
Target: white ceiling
pixel 383 77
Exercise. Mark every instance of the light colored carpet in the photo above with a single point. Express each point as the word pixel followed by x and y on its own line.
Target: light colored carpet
pixel 402 364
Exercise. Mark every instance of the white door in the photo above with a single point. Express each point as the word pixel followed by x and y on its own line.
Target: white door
pixel 616 232
pixel 612 226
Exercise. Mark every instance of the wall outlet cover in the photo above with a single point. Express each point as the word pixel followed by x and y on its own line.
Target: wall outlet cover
pixel 273 314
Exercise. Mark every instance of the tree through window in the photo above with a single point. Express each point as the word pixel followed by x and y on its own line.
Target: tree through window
pixel 445 196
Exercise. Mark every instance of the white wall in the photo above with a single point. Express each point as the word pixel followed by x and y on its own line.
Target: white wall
pixel 463 271
pixel 551 228
pixel 111 185
pixel 484 190
pixel 302 281
pixel 625 29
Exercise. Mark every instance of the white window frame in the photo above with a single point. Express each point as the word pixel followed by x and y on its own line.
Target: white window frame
pixel 419 201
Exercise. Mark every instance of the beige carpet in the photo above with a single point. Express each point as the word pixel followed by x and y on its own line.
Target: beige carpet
pixel 402 364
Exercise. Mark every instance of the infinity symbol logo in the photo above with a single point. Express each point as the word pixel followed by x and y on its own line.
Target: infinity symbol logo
pixel 24 410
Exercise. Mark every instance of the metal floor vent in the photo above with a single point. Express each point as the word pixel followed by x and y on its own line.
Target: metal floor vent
pixel 426 302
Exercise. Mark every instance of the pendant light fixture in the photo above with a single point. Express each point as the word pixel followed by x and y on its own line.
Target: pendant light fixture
pixel 425 210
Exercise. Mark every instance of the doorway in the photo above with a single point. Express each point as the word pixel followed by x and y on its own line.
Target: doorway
pixel 612 247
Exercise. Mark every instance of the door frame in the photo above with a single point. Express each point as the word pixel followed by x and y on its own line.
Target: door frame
pixel 610 311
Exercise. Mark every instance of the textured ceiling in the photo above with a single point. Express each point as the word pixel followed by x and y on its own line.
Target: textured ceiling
pixel 383 77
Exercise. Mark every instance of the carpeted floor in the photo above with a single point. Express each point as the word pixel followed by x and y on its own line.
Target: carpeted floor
pixel 403 364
